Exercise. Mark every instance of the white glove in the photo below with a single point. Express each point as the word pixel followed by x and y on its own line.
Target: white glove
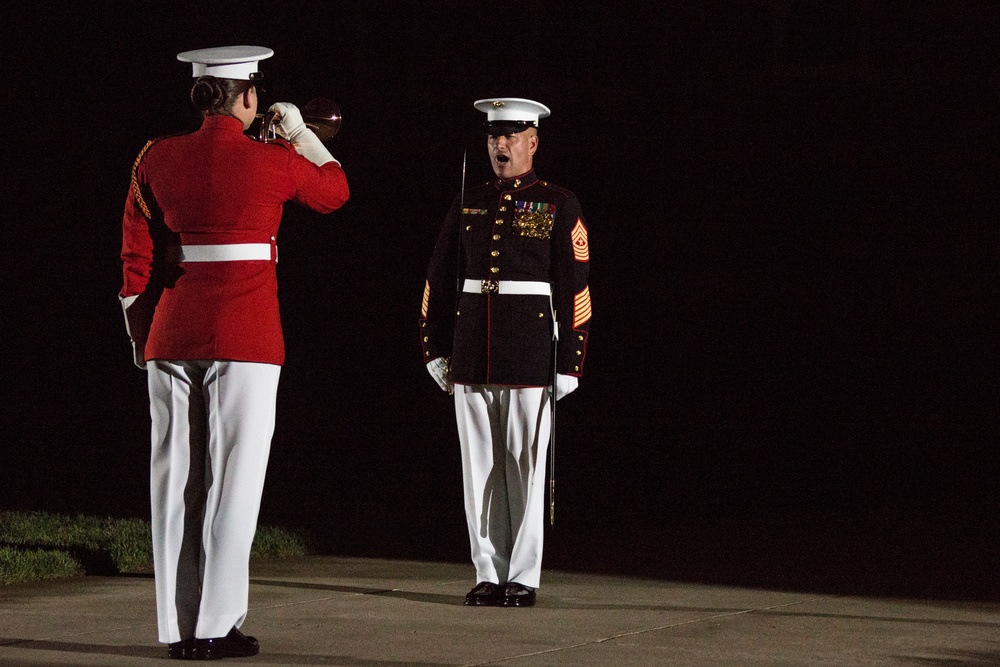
pixel 565 384
pixel 438 368
pixel 289 119
pixel 291 126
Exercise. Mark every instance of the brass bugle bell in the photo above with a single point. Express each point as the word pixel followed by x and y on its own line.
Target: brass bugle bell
pixel 320 115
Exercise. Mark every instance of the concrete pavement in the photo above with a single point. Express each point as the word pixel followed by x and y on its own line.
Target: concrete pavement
pixel 358 612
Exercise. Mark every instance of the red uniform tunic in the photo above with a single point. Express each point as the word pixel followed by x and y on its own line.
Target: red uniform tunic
pixel 214 186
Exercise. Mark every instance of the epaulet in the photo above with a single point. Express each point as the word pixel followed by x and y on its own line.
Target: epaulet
pixel 136 190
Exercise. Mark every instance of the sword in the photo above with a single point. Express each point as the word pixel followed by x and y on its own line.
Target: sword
pixel 458 247
pixel 552 426
pixel 458 255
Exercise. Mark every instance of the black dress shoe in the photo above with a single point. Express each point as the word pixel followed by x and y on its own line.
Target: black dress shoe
pixel 233 645
pixel 518 595
pixel 181 650
pixel 485 594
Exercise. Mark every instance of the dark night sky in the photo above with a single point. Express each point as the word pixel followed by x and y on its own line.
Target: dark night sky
pixel 793 227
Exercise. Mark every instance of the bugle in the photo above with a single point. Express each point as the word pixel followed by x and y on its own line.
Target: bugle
pixel 320 115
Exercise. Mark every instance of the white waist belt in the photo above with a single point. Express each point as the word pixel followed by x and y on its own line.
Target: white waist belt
pixel 228 252
pixel 507 287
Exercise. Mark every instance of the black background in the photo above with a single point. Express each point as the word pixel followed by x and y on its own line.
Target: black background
pixel 792 368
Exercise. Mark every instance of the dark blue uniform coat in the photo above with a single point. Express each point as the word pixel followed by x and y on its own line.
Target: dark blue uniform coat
pixel 515 229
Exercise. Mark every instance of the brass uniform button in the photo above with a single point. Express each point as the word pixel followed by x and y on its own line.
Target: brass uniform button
pixel 506 197
pixel 496 237
pixel 468 228
pixel 495 253
pixel 494 269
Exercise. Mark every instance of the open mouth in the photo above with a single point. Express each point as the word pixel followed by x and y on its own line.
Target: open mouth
pixel 503 159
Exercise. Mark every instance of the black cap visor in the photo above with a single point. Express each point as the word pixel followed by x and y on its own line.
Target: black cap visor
pixel 257 80
pixel 500 128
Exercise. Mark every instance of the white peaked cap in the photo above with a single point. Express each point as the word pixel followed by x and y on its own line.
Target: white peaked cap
pixel 226 62
pixel 515 109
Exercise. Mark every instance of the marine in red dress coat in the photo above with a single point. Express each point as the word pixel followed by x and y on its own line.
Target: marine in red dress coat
pixel 213 186
pixel 200 297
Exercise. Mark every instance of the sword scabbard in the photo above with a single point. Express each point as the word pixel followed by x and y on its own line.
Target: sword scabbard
pixel 552 502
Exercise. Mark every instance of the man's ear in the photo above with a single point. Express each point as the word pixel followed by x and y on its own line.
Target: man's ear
pixel 246 99
pixel 532 144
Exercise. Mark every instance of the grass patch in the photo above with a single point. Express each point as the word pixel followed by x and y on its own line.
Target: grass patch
pixel 101 546
pixel 18 565
pixel 271 542
pixel 39 545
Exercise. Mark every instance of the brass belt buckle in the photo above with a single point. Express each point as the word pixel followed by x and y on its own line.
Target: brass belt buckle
pixel 488 286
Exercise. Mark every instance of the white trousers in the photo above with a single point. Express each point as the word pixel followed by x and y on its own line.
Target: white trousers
pixel 212 423
pixel 504 434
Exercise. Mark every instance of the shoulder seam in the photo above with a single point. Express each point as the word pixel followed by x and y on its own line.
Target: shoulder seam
pixel 557 188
